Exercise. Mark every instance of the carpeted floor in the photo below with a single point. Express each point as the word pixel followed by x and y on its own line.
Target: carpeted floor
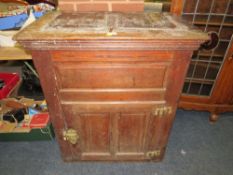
pixel 195 148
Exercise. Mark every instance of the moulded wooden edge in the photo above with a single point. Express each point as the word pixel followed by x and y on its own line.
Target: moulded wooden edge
pixel 98 44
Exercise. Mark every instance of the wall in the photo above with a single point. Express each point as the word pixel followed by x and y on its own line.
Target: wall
pixel 101 5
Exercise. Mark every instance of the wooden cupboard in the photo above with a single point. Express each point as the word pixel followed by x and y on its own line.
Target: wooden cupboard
pixel 112 80
pixel 209 81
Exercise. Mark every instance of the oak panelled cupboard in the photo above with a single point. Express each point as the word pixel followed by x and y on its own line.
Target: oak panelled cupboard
pixel 112 80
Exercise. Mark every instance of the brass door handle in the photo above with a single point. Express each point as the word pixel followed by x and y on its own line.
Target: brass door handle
pixel 71 136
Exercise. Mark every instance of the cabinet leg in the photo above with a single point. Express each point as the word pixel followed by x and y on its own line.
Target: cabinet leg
pixel 213 117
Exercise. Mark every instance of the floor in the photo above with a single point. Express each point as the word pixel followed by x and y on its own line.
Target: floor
pixel 195 148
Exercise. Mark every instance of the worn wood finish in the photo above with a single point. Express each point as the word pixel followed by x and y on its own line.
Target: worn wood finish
pixel 43 63
pixel 110 88
pixel 221 99
pixel 108 27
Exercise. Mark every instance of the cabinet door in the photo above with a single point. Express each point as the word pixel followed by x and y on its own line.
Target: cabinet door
pixel 108 135
pixel 94 132
pixel 131 130
pixel 125 135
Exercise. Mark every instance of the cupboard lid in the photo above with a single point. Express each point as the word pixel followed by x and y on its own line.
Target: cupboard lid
pixel 109 25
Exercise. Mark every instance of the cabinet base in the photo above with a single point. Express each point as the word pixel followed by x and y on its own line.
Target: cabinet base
pixel 214 109
pixel 145 158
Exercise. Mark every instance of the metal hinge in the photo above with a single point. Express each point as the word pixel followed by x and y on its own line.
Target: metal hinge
pixel 71 136
pixel 162 111
pixel 153 154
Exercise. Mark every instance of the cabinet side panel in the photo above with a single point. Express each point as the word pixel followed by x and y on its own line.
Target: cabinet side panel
pixel 176 77
pixel 160 127
pixel 44 67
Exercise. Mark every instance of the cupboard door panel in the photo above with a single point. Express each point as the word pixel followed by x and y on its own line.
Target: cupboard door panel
pixel 131 134
pixel 95 133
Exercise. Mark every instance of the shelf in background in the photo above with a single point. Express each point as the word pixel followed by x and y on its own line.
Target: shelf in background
pixel 199 80
pixel 14 53
pixel 225 24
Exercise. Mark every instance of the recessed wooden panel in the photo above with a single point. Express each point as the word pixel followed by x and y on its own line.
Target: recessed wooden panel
pixel 131 127
pixel 112 76
pixel 95 133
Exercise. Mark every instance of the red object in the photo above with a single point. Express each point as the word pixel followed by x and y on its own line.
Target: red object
pixel 39 120
pixel 10 81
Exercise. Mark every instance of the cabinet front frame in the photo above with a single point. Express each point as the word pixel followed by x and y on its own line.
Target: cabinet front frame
pixel 178 62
